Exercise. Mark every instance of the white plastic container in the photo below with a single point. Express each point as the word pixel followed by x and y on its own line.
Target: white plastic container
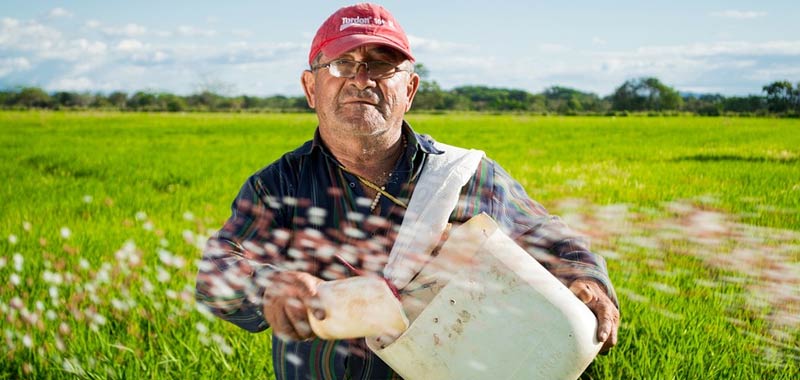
pixel 485 309
pixel 357 307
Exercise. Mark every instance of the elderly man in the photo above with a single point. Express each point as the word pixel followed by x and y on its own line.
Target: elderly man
pixel 332 206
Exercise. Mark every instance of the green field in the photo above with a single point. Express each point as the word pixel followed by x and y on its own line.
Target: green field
pixel 103 213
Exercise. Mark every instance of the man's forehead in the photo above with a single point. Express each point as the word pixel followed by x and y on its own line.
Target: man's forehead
pixel 373 51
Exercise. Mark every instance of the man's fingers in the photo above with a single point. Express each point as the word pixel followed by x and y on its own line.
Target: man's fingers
pixel 315 305
pixel 612 340
pixel 595 298
pixel 582 291
pixel 285 304
pixel 282 327
pixel 297 315
pixel 607 323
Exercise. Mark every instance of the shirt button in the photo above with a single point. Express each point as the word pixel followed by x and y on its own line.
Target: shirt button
pixel 352 184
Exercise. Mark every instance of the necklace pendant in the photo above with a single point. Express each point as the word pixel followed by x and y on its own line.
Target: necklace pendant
pixel 377 199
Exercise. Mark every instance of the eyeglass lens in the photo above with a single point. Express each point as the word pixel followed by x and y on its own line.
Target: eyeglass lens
pixel 348 69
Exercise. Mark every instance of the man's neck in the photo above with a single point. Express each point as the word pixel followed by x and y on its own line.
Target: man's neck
pixel 372 157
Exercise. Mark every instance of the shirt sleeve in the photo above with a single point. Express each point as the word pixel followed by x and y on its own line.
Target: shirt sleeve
pixel 564 252
pixel 236 264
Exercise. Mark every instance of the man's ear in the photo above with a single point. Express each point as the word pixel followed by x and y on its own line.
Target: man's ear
pixel 411 89
pixel 308 87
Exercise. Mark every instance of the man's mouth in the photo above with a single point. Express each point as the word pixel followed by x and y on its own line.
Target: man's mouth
pixel 361 101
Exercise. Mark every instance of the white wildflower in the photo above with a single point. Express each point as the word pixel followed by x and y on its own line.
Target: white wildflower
pixel 147 286
pixel 99 319
pixel 281 234
pixel 73 366
pixel 16 303
pixel 204 266
pixel 163 275
pixel 165 256
pixel 14 279
pixel 188 216
pixel 188 236
pixel 64 329
pixel 87 199
pixel 12 239
pixel 140 216
pixel 26 226
pixel 53 291
pixel 65 232
pixel 355 216
pixel 119 305
pixel 18 261
pixel 52 277
pixel 178 262
pixel 223 346
pixel 60 344
pixel 103 277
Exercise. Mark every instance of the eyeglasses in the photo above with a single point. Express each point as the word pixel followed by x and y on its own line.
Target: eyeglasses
pixel 346 68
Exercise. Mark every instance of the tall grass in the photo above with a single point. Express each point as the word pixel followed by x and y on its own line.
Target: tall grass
pixel 104 215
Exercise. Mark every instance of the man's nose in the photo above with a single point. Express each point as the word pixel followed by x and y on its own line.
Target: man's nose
pixel 362 80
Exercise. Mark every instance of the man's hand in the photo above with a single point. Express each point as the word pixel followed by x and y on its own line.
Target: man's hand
pixel 286 304
pixel 595 297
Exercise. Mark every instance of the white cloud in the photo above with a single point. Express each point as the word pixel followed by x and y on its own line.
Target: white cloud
pixel 27 35
pixel 781 47
pixel 549 48
pixel 162 33
pixel 90 47
pixel 242 33
pixel 129 45
pixel 776 73
pixel 72 84
pixel 421 45
pixel 739 15
pixel 9 65
pixel 731 67
pixel 190 31
pixel 160 56
pixel 101 56
pixel 58 13
pixel 75 50
pixel 127 30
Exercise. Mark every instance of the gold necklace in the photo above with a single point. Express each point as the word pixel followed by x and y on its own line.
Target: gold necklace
pixel 381 190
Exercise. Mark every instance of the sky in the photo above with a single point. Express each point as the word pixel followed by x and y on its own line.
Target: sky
pixel 261 47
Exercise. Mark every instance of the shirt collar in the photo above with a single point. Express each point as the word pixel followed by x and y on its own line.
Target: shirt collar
pixel 416 142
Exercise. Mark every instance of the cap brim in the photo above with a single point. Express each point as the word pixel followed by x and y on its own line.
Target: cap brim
pixel 344 44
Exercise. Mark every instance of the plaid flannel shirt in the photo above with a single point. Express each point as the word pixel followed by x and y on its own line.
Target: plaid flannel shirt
pixel 296 213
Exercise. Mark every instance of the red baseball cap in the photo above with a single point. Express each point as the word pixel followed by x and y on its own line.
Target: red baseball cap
pixel 356 25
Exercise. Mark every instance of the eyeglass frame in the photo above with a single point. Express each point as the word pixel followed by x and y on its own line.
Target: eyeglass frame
pixel 386 75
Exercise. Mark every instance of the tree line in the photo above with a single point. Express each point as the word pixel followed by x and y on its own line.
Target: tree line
pixel 639 95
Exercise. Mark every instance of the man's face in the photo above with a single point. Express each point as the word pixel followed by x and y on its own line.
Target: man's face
pixel 361 106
